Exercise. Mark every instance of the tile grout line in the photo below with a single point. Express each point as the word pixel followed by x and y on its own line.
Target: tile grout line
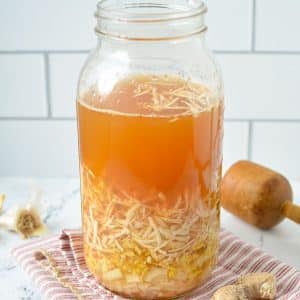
pixel 48 91
pixel 256 52
pixel 37 119
pixel 250 139
pixel 252 51
pixel 253 35
pixel 44 51
pixel 262 120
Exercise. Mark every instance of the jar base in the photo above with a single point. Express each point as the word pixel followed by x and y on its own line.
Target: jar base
pixel 149 292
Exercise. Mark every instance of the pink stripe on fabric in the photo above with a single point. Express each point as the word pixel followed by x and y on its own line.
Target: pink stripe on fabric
pixel 235 258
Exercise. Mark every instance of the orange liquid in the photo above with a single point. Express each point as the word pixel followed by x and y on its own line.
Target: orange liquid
pixel 150 154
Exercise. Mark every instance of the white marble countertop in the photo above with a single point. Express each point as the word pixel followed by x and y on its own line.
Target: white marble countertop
pixel 62 194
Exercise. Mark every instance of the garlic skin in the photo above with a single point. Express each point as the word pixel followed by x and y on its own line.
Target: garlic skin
pixel 25 220
pixel 2 198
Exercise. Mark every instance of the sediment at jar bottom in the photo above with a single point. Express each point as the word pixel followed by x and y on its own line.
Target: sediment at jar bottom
pixel 154 290
pixel 147 251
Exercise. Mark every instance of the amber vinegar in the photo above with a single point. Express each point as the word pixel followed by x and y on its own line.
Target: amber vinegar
pixel 150 156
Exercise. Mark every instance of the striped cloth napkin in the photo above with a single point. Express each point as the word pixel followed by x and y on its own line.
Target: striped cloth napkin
pixel 56 265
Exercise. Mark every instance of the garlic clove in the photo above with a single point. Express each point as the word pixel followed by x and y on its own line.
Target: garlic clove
pixel 25 220
pixel 2 198
pixel 29 223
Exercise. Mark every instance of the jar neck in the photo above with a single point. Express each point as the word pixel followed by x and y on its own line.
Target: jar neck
pixel 156 21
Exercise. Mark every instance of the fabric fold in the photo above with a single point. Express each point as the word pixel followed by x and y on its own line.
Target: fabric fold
pixel 56 265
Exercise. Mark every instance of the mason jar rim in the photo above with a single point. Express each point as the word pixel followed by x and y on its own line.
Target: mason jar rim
pixel 118 10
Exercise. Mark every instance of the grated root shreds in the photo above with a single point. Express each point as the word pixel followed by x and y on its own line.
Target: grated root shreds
pixel 188 98
pixel 147 251
pixel 140 241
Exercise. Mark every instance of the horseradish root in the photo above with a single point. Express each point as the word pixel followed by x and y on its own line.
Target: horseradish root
pixel 25 220
pixel 230 292
pixel 252 286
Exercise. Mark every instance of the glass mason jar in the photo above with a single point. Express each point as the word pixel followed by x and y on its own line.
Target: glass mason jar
pixel 150 123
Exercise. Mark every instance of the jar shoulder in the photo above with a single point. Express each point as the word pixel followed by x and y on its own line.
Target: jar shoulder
pixel 107 64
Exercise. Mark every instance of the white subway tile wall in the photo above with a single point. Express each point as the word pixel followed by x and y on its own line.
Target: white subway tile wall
pixel 235 142
pixel 22 86
pixel 64 70
pixel 38 148
pixel 277 24
pixel 229 23
pixel 277 146
pixel 47 25
pixel 260 86
pixel 44 43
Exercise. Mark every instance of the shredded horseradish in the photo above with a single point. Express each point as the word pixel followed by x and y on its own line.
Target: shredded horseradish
pixel 150 235
pixel 129 244
pixel 189 98
pixel 154 95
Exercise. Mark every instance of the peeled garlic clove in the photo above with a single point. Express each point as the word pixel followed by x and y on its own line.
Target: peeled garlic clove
pixel 2 198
